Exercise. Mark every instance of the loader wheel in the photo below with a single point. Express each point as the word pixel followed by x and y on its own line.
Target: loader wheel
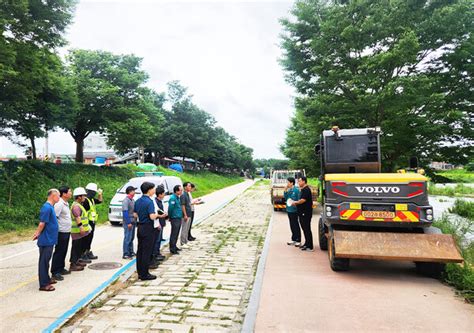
pixel 323 240
pixel 337 264
pixel 430 269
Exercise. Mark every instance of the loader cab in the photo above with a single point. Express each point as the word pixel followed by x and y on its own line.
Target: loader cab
pixel 350 151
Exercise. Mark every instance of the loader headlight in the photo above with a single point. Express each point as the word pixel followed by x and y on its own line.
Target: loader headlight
pixel 429 212
pixel 328 208
pixel 429 217
pixel 328 213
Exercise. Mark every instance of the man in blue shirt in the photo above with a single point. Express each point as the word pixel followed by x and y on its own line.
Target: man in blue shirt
pixel 47 236
pixel 145 209
pixel 292 192
pixel 175 213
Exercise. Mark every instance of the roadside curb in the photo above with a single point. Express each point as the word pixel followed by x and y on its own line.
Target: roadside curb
pixel 126 271
pixel 254 302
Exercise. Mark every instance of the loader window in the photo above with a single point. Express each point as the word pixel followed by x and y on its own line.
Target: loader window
pixel 352 148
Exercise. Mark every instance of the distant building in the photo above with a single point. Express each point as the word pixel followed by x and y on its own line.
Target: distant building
pixel 96 150
pixel 441 166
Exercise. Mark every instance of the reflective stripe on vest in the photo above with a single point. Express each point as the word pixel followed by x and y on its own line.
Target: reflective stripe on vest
pixel 92 213
pixel 85 221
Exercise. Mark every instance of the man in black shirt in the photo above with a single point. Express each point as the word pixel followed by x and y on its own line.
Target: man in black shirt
pixel 305 213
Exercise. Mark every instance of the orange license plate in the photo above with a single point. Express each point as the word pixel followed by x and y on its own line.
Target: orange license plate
pixel 378 214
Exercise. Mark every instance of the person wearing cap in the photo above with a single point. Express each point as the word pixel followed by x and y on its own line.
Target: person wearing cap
pixel 63 214
pixel 128 210
pixel 47 236
pixel 89 204
pixel 79 230
pixel 145 210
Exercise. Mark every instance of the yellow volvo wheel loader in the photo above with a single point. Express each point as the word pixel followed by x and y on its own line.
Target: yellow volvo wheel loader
pixel 372 215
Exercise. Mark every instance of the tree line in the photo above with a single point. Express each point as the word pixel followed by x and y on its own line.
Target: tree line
pixel 96 91
pixel 403 65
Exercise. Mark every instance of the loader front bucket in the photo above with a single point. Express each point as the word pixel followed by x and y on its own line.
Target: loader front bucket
pixel 396 246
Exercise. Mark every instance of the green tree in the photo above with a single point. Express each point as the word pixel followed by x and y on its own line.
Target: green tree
pixel 110 99
pixel 189 127
pixel 390 63
pixel 33 99
pixel 30 82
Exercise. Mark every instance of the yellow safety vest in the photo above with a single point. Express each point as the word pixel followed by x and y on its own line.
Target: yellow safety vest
pixel 92 213
pixel 84 219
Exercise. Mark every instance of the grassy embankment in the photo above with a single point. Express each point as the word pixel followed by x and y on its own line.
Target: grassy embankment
pixel 457 176
pixel 460 277
pixel 23 187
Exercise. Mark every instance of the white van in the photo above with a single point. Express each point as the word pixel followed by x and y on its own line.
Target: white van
pixel 168 182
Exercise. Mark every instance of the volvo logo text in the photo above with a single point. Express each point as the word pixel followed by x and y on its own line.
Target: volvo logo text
pixel 378 189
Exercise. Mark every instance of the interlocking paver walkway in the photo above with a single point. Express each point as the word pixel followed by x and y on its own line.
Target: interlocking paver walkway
pixel 204 289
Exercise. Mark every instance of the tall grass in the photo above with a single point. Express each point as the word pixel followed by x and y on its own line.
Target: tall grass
pixel 463 208
pixel 460 190
pixel 460 276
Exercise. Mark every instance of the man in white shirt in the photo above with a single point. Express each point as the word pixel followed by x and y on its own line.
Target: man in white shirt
pixel 63 215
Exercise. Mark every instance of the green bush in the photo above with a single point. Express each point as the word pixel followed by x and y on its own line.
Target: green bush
pixel 460 277
pixel 463 208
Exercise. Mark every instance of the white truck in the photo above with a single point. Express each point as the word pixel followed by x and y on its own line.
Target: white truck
pixel 278 184
pixel 157 178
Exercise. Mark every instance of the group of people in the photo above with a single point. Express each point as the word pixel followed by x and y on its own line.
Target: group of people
pixel 148 215
pixel 300 211
pixel 61 221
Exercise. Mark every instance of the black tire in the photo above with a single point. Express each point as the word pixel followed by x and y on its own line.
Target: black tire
pixel 275 209
pixel 323 240
pixel 115 224
pixel 430 269
pixel 337 264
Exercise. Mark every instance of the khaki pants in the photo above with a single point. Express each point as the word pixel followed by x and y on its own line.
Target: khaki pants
pixel 185 224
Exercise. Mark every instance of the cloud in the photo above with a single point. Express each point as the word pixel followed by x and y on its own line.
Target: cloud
pixel 225 52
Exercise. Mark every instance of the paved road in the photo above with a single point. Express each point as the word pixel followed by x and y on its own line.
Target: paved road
pixel 300 293
pixel 204 289
pixel 24 309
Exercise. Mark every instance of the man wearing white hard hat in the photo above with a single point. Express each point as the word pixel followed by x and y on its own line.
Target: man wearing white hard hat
pixel 89 205
pixel 79 230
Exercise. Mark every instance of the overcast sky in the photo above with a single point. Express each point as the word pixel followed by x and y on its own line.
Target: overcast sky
pixel 225 52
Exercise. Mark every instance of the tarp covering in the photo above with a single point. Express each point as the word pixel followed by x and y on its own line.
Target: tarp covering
pixel 176 167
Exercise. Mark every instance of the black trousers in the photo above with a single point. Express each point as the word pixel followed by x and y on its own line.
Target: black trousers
pixel 45 253
pixel 305 222
pixel 88 238
pixel 60 251
pixel 77 249
pixel 175 227
pixel 294 227
pixel 156 235
pixel 191 225
pixel 145 236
